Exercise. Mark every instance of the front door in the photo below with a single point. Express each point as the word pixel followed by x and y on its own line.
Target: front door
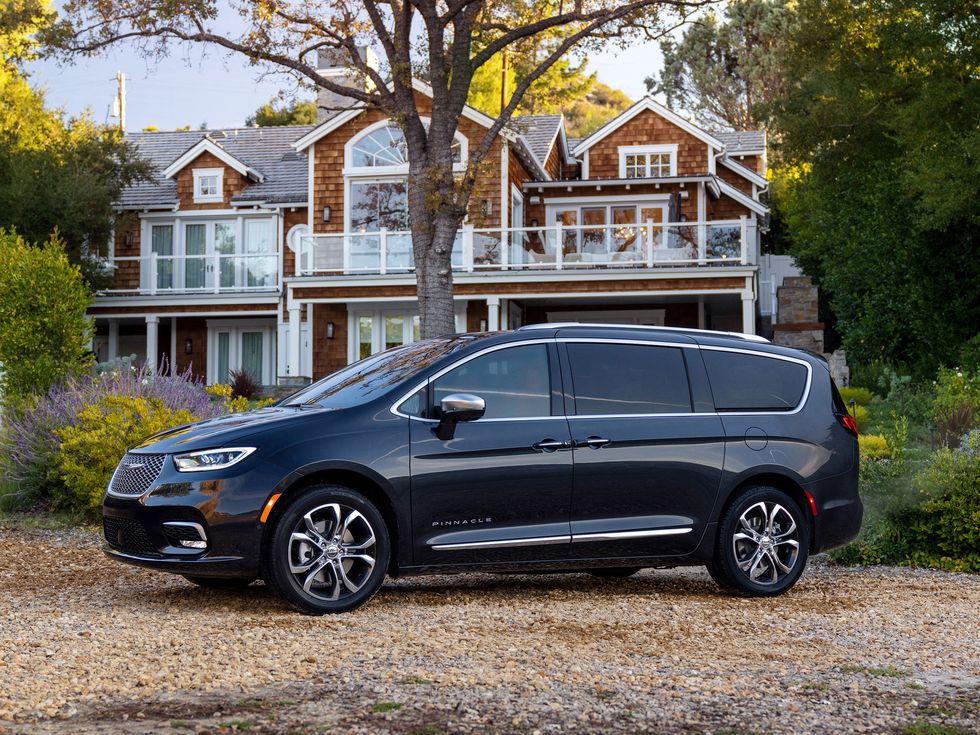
pixel 647 468
pixel 499 489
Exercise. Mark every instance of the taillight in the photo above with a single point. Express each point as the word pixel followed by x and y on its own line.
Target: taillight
pixel 849 423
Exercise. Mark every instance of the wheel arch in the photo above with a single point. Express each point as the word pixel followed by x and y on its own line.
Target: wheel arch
pixel 355 478
pixel 787 484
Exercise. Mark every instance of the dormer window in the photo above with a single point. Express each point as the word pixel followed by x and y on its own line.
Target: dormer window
pixel 647 161
pixel 208 185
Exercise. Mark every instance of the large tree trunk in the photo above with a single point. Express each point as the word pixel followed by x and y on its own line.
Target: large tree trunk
pixel 435 220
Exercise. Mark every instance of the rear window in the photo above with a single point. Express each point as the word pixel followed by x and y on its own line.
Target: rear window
pixel 628 379
pixel 742 382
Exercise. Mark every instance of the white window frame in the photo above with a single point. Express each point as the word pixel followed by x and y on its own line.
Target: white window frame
pixel 646 150
pixel 236 327
pixel 351 170
pixel 377 315
pixel 199 175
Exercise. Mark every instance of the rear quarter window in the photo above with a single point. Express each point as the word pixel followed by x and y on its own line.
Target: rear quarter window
pixel 744 382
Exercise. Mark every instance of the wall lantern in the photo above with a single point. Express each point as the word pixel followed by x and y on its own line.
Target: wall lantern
pixel 188 346
pixel 330 329
pixel 128 239
pixel 487 207
pixel 326 214
pixel 534 222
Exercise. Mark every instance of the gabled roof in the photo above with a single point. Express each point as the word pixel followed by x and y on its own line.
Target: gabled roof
pixel 647 103
pixel 540 133
pixel 743 171
pixel 744 199
pixel 741 142
pixel 263 149
pixel 207 144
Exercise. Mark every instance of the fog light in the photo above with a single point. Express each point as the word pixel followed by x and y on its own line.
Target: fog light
pixel 187 534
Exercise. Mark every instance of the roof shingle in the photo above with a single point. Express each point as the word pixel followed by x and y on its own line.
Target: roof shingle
pixel 742 141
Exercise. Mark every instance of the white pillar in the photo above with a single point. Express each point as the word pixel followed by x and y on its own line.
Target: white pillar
pixel 493 313
pixel 292 352
pixel 173 345
pixel 152 347
pixel 113 339
pixel 748 311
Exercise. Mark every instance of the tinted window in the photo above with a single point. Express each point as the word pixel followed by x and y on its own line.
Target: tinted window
pixel 741 382
pixel 514 382
pixel 369 378
pixel 627 379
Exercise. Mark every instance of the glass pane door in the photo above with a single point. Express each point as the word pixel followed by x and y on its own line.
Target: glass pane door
pixel 624 235
pixel 196 250
pixel 224 357
pixel 593 239
pixel 162 244
pixel 260 265
pixel 252 355
pixel 224 245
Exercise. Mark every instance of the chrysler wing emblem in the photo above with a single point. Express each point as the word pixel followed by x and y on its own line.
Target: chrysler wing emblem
pixel 134 465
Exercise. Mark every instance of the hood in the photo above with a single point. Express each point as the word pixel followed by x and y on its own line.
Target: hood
pixel 224 431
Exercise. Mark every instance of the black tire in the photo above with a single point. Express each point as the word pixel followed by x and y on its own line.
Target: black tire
pixel 752 558
pixel 328 571
pixel 220 583
pixel 614 572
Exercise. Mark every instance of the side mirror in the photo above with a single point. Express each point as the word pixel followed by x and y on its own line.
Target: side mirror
pixel 458 407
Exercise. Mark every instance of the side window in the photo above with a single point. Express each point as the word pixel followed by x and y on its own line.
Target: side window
pixel 514 382
pixel 415 404
pixel 742 382
pixel 628 379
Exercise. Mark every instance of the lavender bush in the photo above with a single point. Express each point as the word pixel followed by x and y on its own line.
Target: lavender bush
pixel 28 440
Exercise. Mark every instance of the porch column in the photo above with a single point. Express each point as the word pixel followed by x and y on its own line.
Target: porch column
pixel 113 339
pixel 748 311
pixel 701 312
pixel 173 345
pixel 493 313
pixel 292 351
pixel 152 348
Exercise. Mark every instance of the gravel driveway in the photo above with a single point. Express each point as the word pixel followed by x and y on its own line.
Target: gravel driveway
pixel 114 649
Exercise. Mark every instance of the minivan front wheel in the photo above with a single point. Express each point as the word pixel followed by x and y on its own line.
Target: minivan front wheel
pixel 763 543
pixel 329 550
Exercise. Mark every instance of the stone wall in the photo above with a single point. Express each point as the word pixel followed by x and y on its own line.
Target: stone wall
pixel 799 324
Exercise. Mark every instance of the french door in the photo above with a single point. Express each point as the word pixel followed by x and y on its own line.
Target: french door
pixel 245 346
pixel 228 254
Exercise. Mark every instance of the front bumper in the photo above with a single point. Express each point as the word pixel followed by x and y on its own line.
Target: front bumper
pixel 225 505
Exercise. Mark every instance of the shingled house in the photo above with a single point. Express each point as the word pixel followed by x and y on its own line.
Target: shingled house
pixel 284 251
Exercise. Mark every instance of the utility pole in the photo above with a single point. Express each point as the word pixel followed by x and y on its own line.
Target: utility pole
pixel 121 99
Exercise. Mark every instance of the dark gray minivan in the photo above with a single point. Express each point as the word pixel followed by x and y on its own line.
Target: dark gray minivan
pixel 570 447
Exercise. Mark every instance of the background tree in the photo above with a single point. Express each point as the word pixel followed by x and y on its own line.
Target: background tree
pixel 446 42
pixel 281 112
pixel 599 105
pixel 725 69
pixel 880 130
pixel 55 174
pixel 43 328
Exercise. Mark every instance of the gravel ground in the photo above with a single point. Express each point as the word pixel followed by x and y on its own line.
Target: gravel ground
pixel 87 645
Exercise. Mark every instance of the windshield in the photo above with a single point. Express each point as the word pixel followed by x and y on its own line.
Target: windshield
pixel 369 378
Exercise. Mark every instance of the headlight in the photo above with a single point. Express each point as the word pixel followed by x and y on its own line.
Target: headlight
pixel 211 459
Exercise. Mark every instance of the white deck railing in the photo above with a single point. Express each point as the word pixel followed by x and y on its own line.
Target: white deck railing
pixel 637 245
pixel 189 274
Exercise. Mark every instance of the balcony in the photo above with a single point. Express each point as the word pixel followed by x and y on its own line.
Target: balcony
pixel 554 248
pixel 217 273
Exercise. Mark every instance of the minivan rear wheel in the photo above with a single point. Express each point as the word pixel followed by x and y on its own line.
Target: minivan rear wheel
pixel 763 543
pixel 329 550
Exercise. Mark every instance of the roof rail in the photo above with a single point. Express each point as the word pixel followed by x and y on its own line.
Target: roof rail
pixel 687 330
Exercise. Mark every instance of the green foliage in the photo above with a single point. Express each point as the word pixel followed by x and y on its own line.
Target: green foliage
pixel 861 396
pixel 43 327
pixel 970 354
pixel 92 447
pixel 278 112
pixel 874 446
pixel 881 144
pixel 860 414
pixel 945 531
pixel 956 406
pixel 600 104
pixel 725 69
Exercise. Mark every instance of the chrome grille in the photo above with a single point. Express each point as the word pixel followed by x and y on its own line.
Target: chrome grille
pixel 136 473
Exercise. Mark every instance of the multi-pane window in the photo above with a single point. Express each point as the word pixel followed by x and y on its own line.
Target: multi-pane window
pixel 207 184
pixel 653 162
pixel 386 147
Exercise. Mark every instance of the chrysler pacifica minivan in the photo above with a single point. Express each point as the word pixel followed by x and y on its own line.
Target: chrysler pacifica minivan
pixel 560 447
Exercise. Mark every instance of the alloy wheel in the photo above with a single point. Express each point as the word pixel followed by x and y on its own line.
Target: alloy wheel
pixel 332 551
pixel 766 543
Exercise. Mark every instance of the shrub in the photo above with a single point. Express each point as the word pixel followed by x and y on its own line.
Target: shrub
pixel 874 446
pixel 43 328
pixel 970 355
pixel 29 439
pixel 92 446
pixel 945 531
pixel 860 414
pixel 243 385
pixel 861 396
pixel 956 405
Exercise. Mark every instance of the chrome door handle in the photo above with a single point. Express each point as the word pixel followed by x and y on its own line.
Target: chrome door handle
pixel 550 445
pixel 594 442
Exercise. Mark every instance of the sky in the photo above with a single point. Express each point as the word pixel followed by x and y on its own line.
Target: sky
pixel 195 87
